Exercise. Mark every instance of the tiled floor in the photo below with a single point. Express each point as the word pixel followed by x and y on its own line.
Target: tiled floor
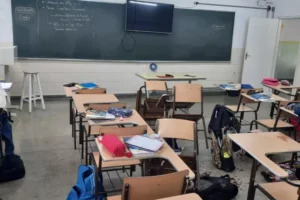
pixel 43 139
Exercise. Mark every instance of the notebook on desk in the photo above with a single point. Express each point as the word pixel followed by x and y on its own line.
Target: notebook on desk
pixel 89 85
pixel 145 143
pixel 99 115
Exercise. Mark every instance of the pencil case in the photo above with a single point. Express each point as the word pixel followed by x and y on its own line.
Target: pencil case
pixel 115 146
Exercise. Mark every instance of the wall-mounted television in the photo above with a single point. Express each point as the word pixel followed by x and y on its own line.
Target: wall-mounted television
pixel 144 16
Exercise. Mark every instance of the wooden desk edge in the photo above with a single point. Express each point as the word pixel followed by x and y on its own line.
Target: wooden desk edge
pixel 267 153
pixel 191 173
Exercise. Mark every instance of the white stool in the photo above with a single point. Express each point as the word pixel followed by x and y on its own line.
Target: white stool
pixel 31 96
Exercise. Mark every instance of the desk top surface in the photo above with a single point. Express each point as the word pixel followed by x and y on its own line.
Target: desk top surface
pixel 166 151
pixel 259 145
pixel 273 96
pixel 80 100
pixel 281 88
pixel 191 196
pixel 176 77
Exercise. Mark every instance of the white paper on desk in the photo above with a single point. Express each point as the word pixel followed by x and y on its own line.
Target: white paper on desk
pixel 145 143
pixel 6 86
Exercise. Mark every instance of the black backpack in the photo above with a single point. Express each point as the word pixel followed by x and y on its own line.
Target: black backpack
pixel 217 188
pixel 223 122
pixel 11 168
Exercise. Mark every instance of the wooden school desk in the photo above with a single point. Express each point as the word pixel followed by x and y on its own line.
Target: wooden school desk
pixel 255 145
pixel 191 196
pixel 282 88
pixel 166 152
pixel 274 97
pixel 81 100
pixel 176 77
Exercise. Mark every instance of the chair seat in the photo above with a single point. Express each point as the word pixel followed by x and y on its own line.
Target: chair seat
pixel 115 163
pixel 117 197
pixel 280 190
pixel 243 108
pixel 269 123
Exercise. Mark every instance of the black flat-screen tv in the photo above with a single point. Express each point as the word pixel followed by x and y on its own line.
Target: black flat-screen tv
pixel 144 16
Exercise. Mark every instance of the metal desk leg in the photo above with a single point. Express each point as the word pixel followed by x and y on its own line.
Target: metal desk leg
pixel 71 111
pixel 272 110
pixel 81 136
pixel 251 189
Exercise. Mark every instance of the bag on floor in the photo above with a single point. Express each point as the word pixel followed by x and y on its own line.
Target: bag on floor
pixel 222 122
pixel 217 188
pixel 85 185
pixel 11 168
pixel 221 151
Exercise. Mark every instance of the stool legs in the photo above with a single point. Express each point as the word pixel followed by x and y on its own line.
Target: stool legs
pixel 23 92
pixel 41 93
pixel 31 92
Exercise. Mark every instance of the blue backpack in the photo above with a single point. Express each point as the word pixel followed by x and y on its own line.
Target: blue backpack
pixel 85 185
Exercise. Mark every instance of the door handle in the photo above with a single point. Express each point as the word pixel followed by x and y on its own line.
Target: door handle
pixel 247 56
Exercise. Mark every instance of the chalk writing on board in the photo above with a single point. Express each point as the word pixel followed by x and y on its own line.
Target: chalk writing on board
pixel 24 13
pixel 66 15
pixel 218 27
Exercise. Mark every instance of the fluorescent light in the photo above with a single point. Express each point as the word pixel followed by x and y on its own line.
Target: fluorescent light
pixel 143 3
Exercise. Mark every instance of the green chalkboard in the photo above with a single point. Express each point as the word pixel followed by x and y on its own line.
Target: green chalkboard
pixel 70 29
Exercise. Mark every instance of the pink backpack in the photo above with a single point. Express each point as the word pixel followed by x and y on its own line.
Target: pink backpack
pixel 270 81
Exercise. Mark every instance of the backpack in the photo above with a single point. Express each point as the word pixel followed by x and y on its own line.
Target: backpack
pixel 222 122
pixel 11 168
pixel 85 185
pixel 216 188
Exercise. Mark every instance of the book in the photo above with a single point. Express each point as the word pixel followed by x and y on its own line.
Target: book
pixel 93 114
pixel 145 143
pixel 87 85
pixel 136 151
pixel 229 87
pixel 262 97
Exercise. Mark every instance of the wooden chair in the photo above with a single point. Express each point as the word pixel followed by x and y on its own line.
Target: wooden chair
pixel 279 190
pixel 184 130
pixel 184 97
pixel 243 107
pixel 75 113
pixel 153 187
pixel 278 123
pixel 148 108
pixel 119 131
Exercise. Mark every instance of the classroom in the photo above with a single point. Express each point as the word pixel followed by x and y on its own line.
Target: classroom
pixel 149 99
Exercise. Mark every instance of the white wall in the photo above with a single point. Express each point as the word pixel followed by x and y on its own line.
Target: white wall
pixel 290 30
pixel 287 8
pixel 119 77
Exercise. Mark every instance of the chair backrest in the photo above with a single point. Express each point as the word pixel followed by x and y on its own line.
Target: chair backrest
pixel 98 106
pixel 176 128
pixel 154 187
pixel 188 93
pixel 246 100
pixel 123 131
pixel 92 91
pixel 156 86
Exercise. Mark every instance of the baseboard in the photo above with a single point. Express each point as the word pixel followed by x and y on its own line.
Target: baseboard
pixel 206 92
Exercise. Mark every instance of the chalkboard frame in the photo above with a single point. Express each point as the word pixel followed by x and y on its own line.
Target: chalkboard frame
pixel 138 61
